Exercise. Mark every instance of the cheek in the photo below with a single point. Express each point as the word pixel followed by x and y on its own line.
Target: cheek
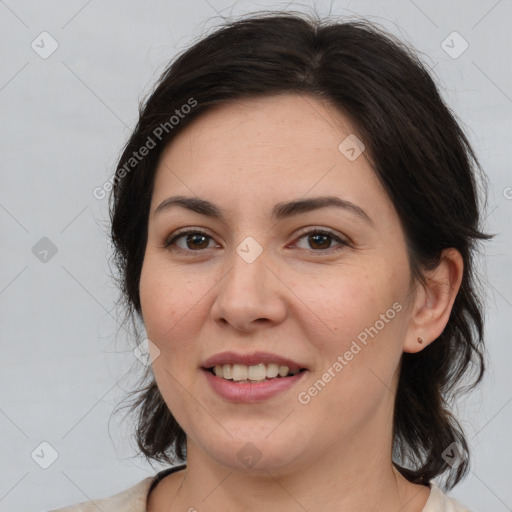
pixel 358 341
pixel 356 323
pixel 170 302
pixel 342 305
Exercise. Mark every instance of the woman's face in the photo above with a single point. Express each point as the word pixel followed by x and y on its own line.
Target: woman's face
pixel 325 287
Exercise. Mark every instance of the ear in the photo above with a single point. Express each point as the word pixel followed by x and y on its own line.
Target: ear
pixel 434 301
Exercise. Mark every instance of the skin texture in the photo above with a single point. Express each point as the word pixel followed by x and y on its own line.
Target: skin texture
pixel 303 298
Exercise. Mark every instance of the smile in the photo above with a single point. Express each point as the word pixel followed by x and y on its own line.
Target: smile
pixel 248 390
pixel 254 373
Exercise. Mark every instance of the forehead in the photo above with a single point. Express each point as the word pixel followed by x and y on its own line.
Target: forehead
pixel 266 150
pixel 278 127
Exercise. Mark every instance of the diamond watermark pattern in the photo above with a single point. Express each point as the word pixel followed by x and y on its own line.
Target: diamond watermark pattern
pixel 249 249
pixel 454 45
pixel 454 455
pixel 249 455
pixel 44 250
pixel 146 352
pixel 44 45
pixel 351 147
pixel 44 455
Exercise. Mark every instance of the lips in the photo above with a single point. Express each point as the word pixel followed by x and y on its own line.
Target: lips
pixel 249 391
pixel 251 359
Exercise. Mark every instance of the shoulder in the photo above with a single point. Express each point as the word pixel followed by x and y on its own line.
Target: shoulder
pixel 132 499
pixel 438 501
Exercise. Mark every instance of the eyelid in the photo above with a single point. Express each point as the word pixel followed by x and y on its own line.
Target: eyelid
pixel 341 239
pixel 318 229
pixel 184 231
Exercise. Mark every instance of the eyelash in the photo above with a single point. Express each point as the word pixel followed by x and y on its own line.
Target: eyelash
pixel 181 233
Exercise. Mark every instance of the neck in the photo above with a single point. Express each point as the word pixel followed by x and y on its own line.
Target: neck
pixel 354 476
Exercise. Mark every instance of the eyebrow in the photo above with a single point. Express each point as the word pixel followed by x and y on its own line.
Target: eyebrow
pixel 279 211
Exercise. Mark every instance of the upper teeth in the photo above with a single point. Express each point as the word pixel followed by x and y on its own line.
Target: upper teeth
pixel 260 371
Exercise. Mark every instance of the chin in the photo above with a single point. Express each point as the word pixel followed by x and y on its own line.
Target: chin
pixel 255 454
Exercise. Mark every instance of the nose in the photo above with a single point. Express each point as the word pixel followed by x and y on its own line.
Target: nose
pixel 249 296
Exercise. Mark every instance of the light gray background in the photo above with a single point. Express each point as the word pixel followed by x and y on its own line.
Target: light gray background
pixel 64 365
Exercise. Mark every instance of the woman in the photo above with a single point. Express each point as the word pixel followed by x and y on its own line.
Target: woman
pixel 294 218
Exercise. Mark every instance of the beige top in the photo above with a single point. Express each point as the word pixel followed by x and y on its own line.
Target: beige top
pixel 134 500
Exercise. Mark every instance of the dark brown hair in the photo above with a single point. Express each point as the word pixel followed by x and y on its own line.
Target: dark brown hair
pixel 419 153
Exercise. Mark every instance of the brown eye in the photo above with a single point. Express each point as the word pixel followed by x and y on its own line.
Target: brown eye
pixel 320 241
pixel 193 241
pixel 197 241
